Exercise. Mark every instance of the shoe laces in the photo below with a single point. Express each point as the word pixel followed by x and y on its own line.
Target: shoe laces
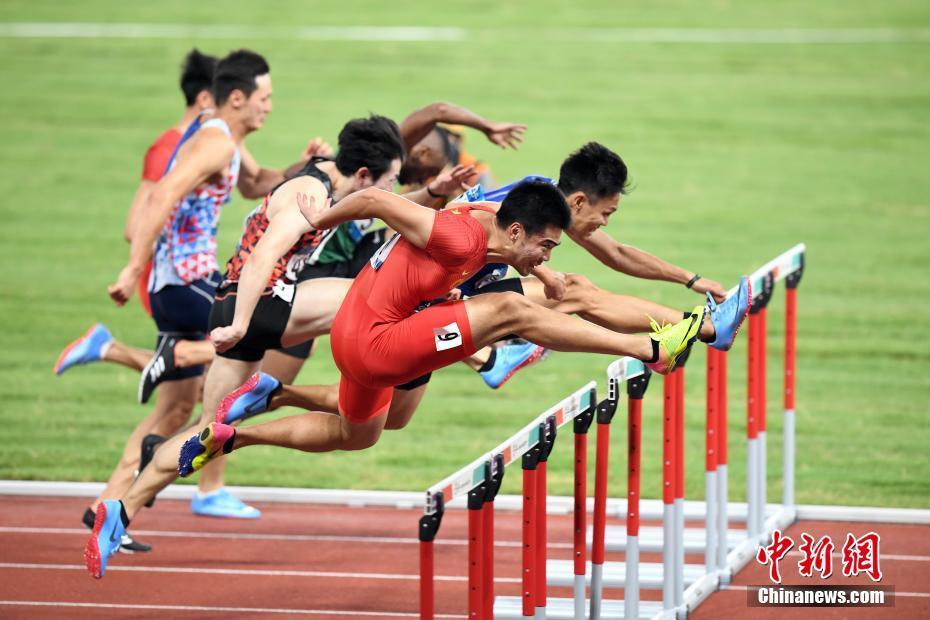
pixel 656 327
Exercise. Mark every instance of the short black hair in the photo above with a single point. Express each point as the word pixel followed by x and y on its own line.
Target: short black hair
pixel 237 71
pixel 595 170
pixel 197 74
pixel 536 205
pixel 372 142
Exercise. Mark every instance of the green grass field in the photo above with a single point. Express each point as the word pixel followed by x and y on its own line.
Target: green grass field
pixel 737 151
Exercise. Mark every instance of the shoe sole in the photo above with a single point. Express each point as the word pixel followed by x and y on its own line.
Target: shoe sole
pixel 92 549
pixel 742 320
pixel 231 398
pixel 71 347
pixel 539 354
pixel 186 459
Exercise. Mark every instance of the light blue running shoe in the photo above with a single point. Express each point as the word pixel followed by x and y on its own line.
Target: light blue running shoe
pixel 105 538
pixel 221 503
pixel 86 349
pixel 509 359
pixel 728 316
pixel 250 398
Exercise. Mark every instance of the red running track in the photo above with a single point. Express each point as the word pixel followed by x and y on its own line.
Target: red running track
pixel 315 561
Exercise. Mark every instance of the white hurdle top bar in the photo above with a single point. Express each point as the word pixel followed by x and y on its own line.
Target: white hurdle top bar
pixel 473 474
pixel 780 267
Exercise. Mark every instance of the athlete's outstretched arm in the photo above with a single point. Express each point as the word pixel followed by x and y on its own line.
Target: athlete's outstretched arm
pixel 209 153
pixel 639 264
pixel 285 226
pixel 412 221
pixel 420 122
pixel 256 181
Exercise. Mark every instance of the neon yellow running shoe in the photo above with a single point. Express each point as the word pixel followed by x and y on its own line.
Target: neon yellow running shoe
pixel 675 339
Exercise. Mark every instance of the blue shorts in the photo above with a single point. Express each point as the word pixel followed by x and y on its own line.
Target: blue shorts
pixel 185 311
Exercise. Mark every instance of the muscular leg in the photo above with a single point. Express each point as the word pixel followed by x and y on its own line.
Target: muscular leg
pixel 315 306
pixel 494 315
pixel 324 398
pixel 403 405
pixel 173 409
pixel 125 355
pixel 224 376
pixel 282 366
pixel 193 353
pixel 620 313
pixel 312 432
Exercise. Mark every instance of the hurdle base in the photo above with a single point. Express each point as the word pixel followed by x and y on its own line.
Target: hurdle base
pixel 561 573
pixel 651 539
pixel 511 608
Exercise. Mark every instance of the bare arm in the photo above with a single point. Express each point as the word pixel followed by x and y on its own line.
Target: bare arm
pixel 433 195
pixel 285 227
pixel 639 264
pixel 412 221
pixel 208 154
pixel 135 208
pixel 420 122
pixel 255 181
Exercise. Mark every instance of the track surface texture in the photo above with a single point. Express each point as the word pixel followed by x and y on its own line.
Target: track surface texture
pixel 342 562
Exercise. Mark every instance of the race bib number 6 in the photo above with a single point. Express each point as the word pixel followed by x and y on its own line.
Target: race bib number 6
pixel 447 337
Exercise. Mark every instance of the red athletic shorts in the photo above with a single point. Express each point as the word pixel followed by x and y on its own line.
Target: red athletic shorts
pixel 374 356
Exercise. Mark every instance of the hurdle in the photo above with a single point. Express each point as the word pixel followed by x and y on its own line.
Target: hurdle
pixel 479 482
pixel 683 586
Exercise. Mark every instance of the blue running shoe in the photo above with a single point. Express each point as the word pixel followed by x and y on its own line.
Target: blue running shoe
pixel 728 316
pixel 250 398
pixel 222 504
pixel 509 359
pixel 105 539
pixel 88 348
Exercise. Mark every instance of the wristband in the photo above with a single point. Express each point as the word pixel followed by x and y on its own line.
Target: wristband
pixel 691 282
pixel 430 192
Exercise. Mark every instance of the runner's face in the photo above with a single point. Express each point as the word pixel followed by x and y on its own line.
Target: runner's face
pixel 534 250
pixel 588 216
pixel 258 105
pixel 387 180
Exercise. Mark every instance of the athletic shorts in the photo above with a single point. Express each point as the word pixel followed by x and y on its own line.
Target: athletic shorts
pixel 185 309
pixel 513 285
pixel 374 356
pixel 365 249
pixel 265 329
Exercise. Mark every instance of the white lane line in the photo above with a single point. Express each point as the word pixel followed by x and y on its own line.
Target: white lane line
pixel 281 537
pixel 248 572
pixel 896 593
pixel 767 36
pixel 225 610
pixel 81 30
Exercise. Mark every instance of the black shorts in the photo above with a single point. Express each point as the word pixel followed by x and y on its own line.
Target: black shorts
pixel 265 329
pixel 512 285
pixel 184 311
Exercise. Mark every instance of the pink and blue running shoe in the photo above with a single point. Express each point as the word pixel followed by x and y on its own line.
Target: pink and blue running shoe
pixel 87 349
pixel 250 398
pixel 213 441
pixel 105 538
pixel 511 358
pixel 729 315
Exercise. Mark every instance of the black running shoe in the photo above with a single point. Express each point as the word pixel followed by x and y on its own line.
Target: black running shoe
pixel 149 443
pixel 159 368
pixel 126 545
